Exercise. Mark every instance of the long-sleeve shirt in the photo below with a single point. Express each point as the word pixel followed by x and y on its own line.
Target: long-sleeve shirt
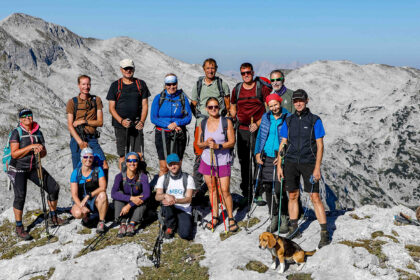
pixel 124 192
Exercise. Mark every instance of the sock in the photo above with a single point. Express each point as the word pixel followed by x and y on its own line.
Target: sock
pixel 294 223
pixel 323 227
pixel 19 224
pixel 132 223
pixel 52 213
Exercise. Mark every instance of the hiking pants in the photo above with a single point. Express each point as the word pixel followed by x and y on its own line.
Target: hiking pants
pixel 20 181
pixel 135 214
pixel 244 150
pixel 176 218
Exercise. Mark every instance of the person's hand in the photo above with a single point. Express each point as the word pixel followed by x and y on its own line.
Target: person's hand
pixel 178 129
pixel 168 200
pixel 83 145
pixel 213 145
pixel 317 174
pixel 85 210
pixel 79 122
pixel 172 126
pixel 37 148
pixel 84 200
pixel 209 141
pixel 258 159
pixel 126 123
pixel 139 125
pixel 125 210
pixel 136 199
pixel 253 127
pixel 279 173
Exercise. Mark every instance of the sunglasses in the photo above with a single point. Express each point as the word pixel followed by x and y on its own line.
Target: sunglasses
pixel 88 157
pixel 171 84
pixel 277 80
pixel 246 73
pixel 128 69
pixel 26 116
pixel 132 160
pixel 215 107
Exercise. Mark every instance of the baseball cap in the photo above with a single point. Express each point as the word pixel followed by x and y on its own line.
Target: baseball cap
pixel 300 94
pixel 25 111
pixel 126 63
pixel 172 158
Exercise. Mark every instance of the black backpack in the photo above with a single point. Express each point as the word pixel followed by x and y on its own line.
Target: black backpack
pixel 162 99
pixel 184 182
pixel 259 84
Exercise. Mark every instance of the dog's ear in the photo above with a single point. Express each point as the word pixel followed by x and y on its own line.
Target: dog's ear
pixel 271 241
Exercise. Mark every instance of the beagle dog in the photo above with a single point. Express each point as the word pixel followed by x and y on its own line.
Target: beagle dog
pixel 283 249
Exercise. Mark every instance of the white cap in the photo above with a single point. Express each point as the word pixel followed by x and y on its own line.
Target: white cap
pixel 126 63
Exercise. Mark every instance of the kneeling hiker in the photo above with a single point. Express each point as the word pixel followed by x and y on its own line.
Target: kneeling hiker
pixel 174 190
pixel 88 190
pixel 268 140
pixel 303 132
pixel 130 191
pixel 25 142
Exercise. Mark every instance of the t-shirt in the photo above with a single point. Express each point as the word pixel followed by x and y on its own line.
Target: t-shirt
pixel 129 105
pixel 318 130
pixel 85 111
pixel 27 162
pixel 176 188
pixel 83 179
pixel 249 107
pixel 208 91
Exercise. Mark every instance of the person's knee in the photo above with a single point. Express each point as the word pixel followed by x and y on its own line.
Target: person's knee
pixel 19 202
pixel 76 212
pixel 102 197
pixel 315 198
pixel 293 196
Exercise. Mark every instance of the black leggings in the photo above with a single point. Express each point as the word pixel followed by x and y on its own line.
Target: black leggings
pixel 20 183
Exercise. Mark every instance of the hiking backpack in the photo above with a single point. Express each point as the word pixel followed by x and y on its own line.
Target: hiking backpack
pixel 184 182
pixel 120 86
pixel 162 99
pixel 76 103
pixel 260 82
pixel 219 83
pixel 7 152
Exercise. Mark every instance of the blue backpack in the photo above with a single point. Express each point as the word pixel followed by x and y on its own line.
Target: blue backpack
pixel 7 152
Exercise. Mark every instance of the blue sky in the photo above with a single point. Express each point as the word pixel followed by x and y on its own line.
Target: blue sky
pixel 280 32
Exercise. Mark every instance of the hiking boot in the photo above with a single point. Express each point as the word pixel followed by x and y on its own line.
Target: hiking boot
pixel 57 221
pixel 122 231
pixel 294 232
pixel 284 227
pixel 21 233
pixel 325 239
pixel 100 228
pixel 131 230
pixel 169 233
pixel 274 225
pixel 260 201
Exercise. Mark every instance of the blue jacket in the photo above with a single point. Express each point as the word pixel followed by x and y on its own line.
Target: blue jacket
pixel 264 130
pixel 171 110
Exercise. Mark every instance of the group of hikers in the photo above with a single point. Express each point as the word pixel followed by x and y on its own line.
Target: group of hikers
pixel 277 139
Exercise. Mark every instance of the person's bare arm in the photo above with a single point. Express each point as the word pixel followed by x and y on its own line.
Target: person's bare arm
pixel 186 199
pixel 319 155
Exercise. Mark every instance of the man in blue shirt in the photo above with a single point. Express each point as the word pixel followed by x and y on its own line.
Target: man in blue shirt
pixel 303 132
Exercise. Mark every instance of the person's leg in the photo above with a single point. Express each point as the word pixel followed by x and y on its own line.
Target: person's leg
pixel 101 203
pixel 138 213
pixel 243 156
pixel 168 213
pixel 75 152
pixel 137 141
pixel 121 143
pixel 118 206
pixel 160 151
pixel 227 199
pixel 185 224
pixel 19 188
pixel 211 184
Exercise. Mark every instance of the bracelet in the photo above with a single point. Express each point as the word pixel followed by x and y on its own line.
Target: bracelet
pixel 121 121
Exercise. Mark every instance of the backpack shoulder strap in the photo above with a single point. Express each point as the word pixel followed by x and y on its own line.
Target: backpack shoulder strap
pixel 225 127
pixel 220 87
pixel 138 84
pixel 182 99
pixel 203 127
pixel 119 89
pixel 258 90
pixel 162 98
pixel 75 105
pixel 94 102
pixel 185 181
pixel 165 182
pixel 199 86
pixel 95 175
pixel 79 174
pixel 237 91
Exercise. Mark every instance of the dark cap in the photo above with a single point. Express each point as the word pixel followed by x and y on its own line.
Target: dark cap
pixel 300 94
pixel 25 111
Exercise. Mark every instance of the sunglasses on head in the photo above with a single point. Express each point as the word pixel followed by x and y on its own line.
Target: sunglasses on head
pixel 214 107
pixel 277 80
pixel 27 116
pixel 88 157
pixel 132 160
pixel 171 84
pixel 246 73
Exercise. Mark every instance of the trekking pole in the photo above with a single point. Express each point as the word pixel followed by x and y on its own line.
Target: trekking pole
pixel 273 194
pixel 211 190
pixel 127 140
pixel 251 140
pixel 41 183
pixel 219 187
pixel 92 245
pixel 281 189
pixel 157 248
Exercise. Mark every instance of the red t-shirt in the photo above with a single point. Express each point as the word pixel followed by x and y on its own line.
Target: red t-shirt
pixel 247 108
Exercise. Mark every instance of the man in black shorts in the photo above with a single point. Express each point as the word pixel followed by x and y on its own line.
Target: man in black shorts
pixel 303 132
pixel 128 105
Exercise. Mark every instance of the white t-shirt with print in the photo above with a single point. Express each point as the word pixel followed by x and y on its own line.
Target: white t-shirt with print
pixel 176 188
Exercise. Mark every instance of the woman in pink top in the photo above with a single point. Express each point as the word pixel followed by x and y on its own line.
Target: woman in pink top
pixel 215 164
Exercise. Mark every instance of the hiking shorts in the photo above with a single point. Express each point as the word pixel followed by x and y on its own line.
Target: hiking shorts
pixel 292 172
pixel 134 143
pixel 75 150
pixel 178 147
